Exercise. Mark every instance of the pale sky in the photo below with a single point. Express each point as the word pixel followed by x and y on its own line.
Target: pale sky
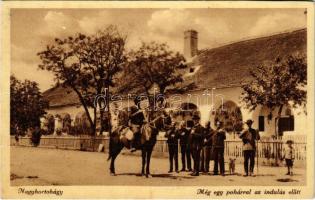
pixel 33 29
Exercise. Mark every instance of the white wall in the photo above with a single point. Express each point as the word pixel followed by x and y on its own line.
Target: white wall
pixel 233 94
pixel 211 100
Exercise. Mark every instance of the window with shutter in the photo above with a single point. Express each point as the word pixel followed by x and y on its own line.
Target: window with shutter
pixel 286 124
pixel 261 123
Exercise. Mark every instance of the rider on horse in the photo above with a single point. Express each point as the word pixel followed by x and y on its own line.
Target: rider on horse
pixel 136 120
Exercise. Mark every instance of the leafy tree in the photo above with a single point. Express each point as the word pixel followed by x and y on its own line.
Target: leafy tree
pixel 278 84
pixel 152 65
pixel 87 64
pixel 27 105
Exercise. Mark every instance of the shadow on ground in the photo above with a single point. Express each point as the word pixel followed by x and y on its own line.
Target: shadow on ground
pixel 286 180
pixel 164 175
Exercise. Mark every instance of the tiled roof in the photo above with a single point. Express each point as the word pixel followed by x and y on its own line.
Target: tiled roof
pixel 229 65
pixel 224 66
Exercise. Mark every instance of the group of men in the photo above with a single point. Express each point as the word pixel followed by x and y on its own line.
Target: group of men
pixel 204 144
pixel 200 143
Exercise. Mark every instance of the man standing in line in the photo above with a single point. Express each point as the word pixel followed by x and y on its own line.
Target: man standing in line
pixel 207 146
pixel 202 158
pixel 172 141
pixel 218 138
pixel 183 134
pixel 197 137
pixel 249 137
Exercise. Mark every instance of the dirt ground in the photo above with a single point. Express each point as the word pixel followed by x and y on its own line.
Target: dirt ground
pixel 41 166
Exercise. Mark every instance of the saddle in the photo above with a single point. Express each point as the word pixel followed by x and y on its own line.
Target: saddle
pixel 126 132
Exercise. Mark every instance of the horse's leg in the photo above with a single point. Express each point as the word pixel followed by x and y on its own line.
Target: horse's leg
pixel 143 160
pixel 113 157
pixel 112 165
pixel 149 152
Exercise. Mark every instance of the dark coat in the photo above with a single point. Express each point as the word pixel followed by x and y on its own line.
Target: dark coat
pixel 218 138
pixel 197 135
pixel 183 135
pixel 137 118
pixel 172 136
pixel 208 136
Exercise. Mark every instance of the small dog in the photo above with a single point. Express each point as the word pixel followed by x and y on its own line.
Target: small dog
pixel 232 166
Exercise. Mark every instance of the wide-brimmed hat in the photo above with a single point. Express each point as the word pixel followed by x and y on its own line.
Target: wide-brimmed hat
pixel 249 121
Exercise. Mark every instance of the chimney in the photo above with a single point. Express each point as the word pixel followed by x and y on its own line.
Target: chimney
pixel 190 43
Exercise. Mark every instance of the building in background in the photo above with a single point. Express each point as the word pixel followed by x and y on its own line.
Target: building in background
pixel 218 74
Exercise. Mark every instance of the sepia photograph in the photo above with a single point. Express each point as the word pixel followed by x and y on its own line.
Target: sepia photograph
pixel 160 96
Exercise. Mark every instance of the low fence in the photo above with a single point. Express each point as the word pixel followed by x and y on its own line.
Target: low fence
pixel 269 152
pixel 84 143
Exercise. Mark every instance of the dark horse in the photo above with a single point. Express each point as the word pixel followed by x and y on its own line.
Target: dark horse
pixel 149 132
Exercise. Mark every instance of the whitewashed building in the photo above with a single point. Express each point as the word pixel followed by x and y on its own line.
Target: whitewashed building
pixel 218 74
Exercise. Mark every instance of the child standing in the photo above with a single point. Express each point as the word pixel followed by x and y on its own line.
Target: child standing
pixel 288 155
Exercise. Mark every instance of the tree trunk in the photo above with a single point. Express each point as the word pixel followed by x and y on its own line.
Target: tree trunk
pixel 277 134
pixel 108 111
pixel 94 128
pixel 153 108
pixel 101 120
pixel 277 121
pixel 84 106
pixel 94 121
